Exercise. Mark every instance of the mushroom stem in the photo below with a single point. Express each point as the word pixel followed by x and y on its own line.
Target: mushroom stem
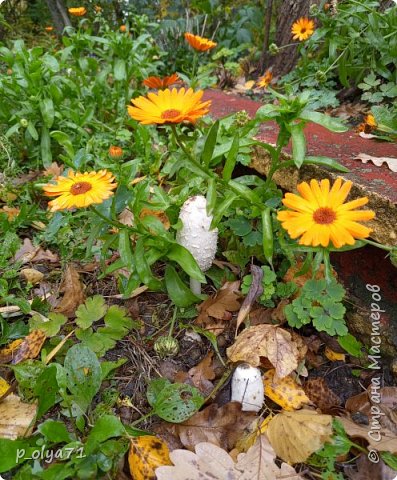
pixel 195 286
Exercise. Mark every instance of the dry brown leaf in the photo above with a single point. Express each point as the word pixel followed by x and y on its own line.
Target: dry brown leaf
pixel 221 426
pixel 382 440
pixel 31 275
pixel 215 311
pixel 296 435
pixel 54 170
pixel 213 463
pixel 255 291
pixel 269 341
pixel 320 394
pixel 146 454
pixel 378 161
pixel 159 214
pixel 30 347
pixel 73 293
pixel 126 217
pixel 29 253
pixel 11 212
pixel 364 469
pixel 202 374
pixel 16 417
pixel 284 391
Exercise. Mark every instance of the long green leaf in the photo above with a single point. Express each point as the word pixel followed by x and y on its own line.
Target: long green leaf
pixel 185 259
pixel 326 162
pixel 298 143
pixel 231 158
pixel 45 147
pixel 179 293
pixel 210 143
pixel 125 250
pixel 47 112
pixel 333 124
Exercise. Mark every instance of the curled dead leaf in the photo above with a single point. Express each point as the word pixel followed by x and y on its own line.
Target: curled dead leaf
pixel 272 342
pixel 73 293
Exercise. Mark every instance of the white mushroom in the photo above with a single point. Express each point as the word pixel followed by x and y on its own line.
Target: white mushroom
pixel 196 236
pixel 248 388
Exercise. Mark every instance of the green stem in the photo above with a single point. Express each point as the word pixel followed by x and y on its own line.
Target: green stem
pixel 327 265
pixel 144 417
pixel 388 248
pixel 173 322
pixel 193 80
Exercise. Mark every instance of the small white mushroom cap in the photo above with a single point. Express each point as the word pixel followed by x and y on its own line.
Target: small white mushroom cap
pixel 248 388
pixel 195 235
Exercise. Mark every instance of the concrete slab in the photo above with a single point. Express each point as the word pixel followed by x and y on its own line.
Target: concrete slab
pixel 379 184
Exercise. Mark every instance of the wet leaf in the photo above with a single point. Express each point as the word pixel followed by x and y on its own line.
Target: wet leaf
pixel 255 291
pixel 284 391
pixel 296 435
pixel 213 463
pixel 215 311
pixel 269 341
pixel 30 346
pixel 73 293
pixel 16 417
pixel 146 454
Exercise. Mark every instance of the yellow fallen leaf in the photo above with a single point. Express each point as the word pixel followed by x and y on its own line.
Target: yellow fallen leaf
pixel 146 454
pixel 269 341
pixel 296 435
pixel 284 391
pixel 32 275
pixel 4 386
pixel 334 356
pixel 30 347
pixel 16 417
pixel 7 353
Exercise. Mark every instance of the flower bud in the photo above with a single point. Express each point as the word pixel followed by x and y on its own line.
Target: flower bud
pixel 321 76
pixel 166 346
pixel 115 152
pixel 241 118
pixel 273 49
pixel 23 122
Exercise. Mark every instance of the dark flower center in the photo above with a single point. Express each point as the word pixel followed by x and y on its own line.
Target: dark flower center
pixel 168 114
pixel 80 188
pixel 324 216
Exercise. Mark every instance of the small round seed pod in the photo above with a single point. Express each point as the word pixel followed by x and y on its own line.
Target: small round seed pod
pixel 166 346
pixel 248 388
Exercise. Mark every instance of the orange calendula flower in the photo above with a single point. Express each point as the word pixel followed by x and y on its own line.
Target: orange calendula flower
pixel 302 29
pixel 77 11
pixel 264 81
pixel 169 106
pixel 79 190
pixel 161 83
pixel 368 125
pixel 320 216
pixel 123 28
pixel 115 152
pixel 199 43
pixel 49 29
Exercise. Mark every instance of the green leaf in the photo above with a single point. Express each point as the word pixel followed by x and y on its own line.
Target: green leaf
pixel 210 143
pixel 185 259
pixel 47 112
pixel 179 293
pixel 245 192
pixel 333 124
pixel 351 345
pixel 143 268
pixel 64 140
pixel 390 459
pixel 10 451
pixel 83 376
pixel 47 390
pixel 211 195
pixel 298 143
pixel 173 402
pixel 325 162
pixel 107 426
pixel 125 248
pixel 50 327
pixel 92 310
pixel 231 158
pixel 45 147
pixel 32 130
pixel 222 208
pixel 55 431
pixel 108 366
pixel 240 226
pixel 120 69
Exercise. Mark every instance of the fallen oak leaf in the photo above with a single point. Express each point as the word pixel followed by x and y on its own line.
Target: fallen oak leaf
pixel 296 435
pixel 213 463
pixel 146 454
pixel 30 347
pixel 378 161
pixel 269 341
pixel 16 417
pixel 73 293
pixel 255 291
